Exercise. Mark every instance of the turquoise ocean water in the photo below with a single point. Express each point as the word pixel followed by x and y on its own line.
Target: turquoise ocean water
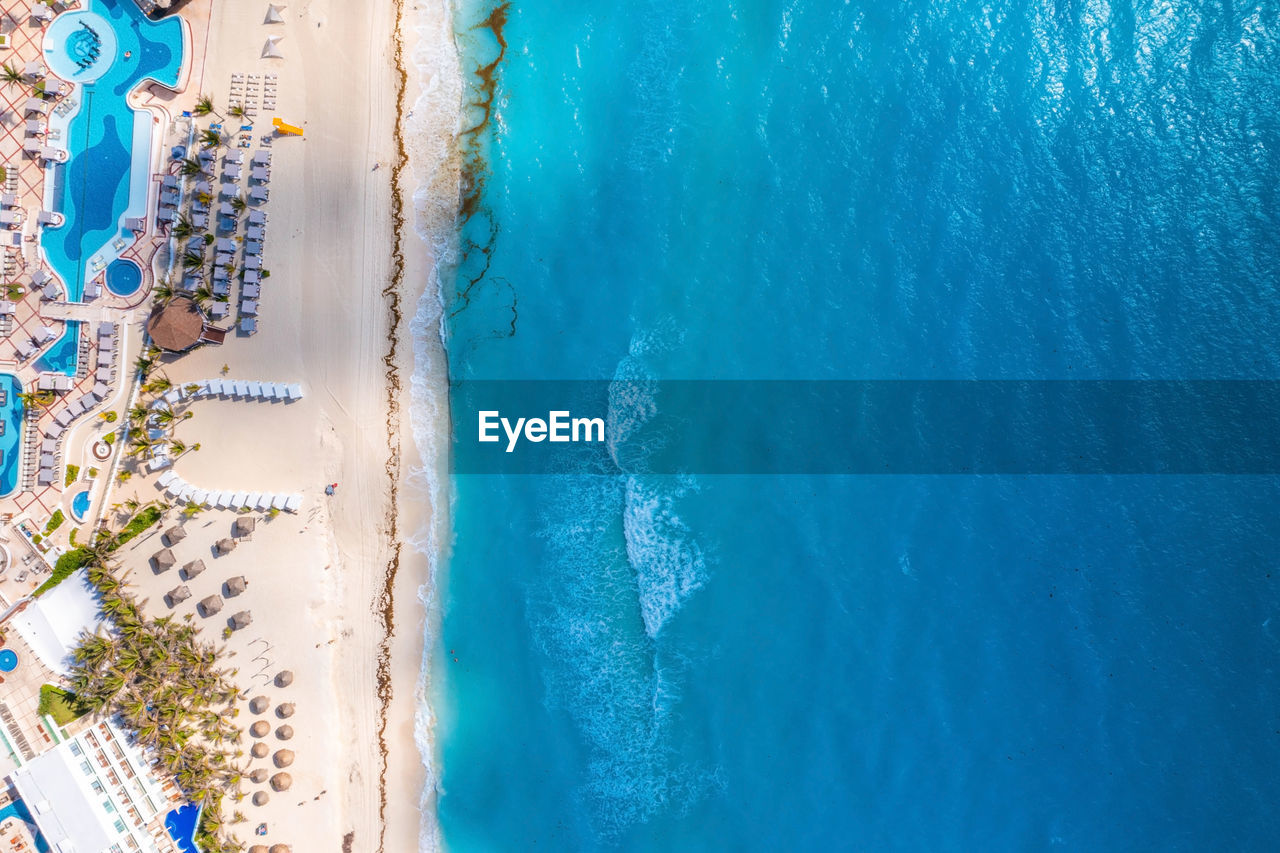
pixel 921 190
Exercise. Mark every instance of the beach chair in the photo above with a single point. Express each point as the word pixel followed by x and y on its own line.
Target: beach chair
pixel 200 496
pixel 253 499
pixel 293 503
pixel 166 478
pixel 295 392
pixel 239 500
pixel 263 502
pixel 184 494
pixel 279 501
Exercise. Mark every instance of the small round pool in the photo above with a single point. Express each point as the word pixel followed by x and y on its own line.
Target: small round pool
pixel 123 277
pixel 80 46
pixel 80 505
pixel 8 660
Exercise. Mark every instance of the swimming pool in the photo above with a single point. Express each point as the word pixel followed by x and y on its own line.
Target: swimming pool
pixel 80 505
pixel 124 277
pixel 64 354
pixel 108 174
pixel 8 660
pixel 181 823
pixel 19 810
pixel 11 439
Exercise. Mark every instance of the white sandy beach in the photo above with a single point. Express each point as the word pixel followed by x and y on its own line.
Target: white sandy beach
pixel 318 580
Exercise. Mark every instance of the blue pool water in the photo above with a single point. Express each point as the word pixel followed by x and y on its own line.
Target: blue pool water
pixel 19 809
pixel 11 440
pixel 80 505
pixel 63 354
pixel 181 824
pixel 8 660
pixel 107 176
pixel 123 277
pixel 786 189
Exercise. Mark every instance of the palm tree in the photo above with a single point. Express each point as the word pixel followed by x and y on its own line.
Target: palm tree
pixel 162 290
pixel 11 74
pixel 138 414
pixel 204 197
pixel 165 416
pixel 178 446
pixel 211 138
pixel 159 385
pixel 142 445
pixel 191 167
pixel 143 365
pixel 30 399
pixel 191 259
pixel 204 106
pixel 182 229
pixel 238 204
pixel 202 295
pixel 236 111
pixel 192 509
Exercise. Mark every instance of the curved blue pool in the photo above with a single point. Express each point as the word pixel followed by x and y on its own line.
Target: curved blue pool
pixel 64 354
pixel 11 437
pixel 19 809
pixel 181 824
pixel 8 660
pixel 80 505
pixel 123 277
pixel 106 48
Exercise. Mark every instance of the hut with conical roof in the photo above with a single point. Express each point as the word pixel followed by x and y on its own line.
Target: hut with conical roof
pixel 175 534
pixel 236 585
pixel 225 546
pixel 285 732
pixel 285 678
pixel 285 711
pixel 259 775
pixel 260 728
pixel 259 750
pixel 258 704
pixel 193 569
pixel 261 798
pixel 211 604
pixel 241 620
pixel 243 525
pixel 178 594
pixel 281 782
pixel 283 757
pixel 164 560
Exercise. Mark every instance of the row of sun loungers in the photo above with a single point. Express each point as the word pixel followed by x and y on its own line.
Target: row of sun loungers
pixel 248 390
pixel 184 492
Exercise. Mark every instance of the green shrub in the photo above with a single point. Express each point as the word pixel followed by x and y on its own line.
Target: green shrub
pixel 78 558
pixel 109 438
pixel 55 521
pixel 73 471
pixel 110 417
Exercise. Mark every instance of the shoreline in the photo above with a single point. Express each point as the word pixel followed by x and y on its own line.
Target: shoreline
pixel 426 191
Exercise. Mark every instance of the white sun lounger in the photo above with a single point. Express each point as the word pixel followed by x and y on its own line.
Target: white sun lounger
pixel 242 388
pixel 294 392
pixel 200 496
pixel 185 493
pixel 159 462
pixel 215 387
pixel 255 389
pixel 174 487
pixel 166 478
pixel 293 502
pixel 222 500
pixel 252 500
pixel 262 502
pixel 278 501
pixel 239 499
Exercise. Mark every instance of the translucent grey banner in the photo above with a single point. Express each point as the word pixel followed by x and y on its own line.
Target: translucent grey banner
pixel 866 427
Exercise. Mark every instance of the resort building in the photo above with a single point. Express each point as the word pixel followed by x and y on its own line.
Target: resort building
pixel 95 793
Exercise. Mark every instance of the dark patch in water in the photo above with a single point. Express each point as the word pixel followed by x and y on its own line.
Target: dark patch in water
pixel 474 216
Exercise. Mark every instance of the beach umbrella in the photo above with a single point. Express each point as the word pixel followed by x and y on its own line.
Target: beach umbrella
pixel 285 732
pixel 164 559
pixel 284 679
pixel 271 49
pixel 193 569
pixel 259 775
pixel 175 534
pixel 281 848
pixel 179 594
pixel 258 704
pixel 236 585
pixel 211 604
pixel 273 14
pixel 283 757
pixel 260 798
pixel 243 526
pixel 281 782
pixel 285 711
pixel 259 848
pixel 226 546
pixel 259 750
pixel 260 728
pixel 241 620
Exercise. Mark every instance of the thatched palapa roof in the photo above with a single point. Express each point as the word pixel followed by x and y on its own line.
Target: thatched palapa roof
pixel 179 594
pixel 285 732
pixel 164 558
pixel 259 750
pixel 243 526
pixel 258 704
pixel 259 775
pixel 281 782
pixel 285 711
pixel 241 620
pixel 226 546
pixel 260 728
pixel 193 569
pixel 236 585
pixel 177 325
pixel 211 604
pixel 285 678
pixel 283 757
pixel 261 798
pixel 175 534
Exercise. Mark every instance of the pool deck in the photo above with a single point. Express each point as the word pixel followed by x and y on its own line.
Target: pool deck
pixel 29 180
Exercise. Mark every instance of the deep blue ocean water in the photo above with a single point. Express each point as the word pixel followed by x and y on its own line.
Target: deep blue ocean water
pixel 767 190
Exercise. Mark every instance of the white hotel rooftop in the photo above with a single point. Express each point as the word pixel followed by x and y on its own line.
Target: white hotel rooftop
pixel 95 793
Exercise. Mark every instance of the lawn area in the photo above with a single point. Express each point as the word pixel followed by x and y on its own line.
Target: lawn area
pixel 60 704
